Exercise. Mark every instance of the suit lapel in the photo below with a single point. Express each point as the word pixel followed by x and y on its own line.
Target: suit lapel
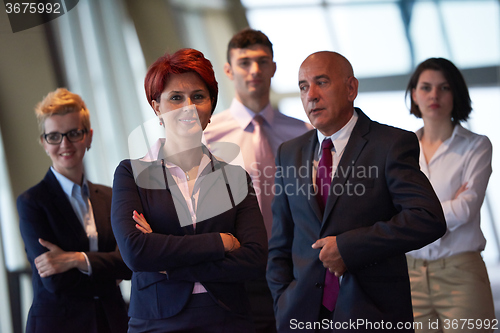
pixel 212 176
pixel 63 206
pixel 101 214
pixel 306 182
pixel 176 198
pixel 354 147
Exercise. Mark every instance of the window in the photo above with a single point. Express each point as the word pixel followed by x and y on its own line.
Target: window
pixel 385 40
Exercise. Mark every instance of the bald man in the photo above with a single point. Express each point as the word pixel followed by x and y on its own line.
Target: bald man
pixel 344 221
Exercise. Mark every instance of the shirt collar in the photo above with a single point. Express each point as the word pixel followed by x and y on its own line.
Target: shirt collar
pixel 205 160
pixel 244 115
pixel 154 155
pixel 68 186
pixel 461 131
pixel 458 131
pixel 341 137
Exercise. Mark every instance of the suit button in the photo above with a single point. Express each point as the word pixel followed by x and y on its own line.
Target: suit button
pixel 318 285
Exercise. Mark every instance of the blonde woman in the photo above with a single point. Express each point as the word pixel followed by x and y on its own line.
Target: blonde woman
pixel 66 227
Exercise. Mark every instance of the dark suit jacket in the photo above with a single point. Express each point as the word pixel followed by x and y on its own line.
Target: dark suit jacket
pixel 380 206
pixel 187 255
pixel 66 302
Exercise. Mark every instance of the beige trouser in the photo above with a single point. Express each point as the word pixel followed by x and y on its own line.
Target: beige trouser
pixel 452 294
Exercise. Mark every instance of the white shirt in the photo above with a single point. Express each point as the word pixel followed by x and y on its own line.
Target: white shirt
pixel 465 157
pixel 339 140
pixel 79 198
pixel 235 126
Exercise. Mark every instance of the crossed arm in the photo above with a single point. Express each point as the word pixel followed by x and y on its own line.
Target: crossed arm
pixel 230 242
pixel 57 261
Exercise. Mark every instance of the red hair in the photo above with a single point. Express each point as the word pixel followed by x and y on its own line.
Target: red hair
pixel 182 61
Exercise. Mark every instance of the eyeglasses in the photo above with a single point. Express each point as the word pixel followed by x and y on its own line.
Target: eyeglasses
pixel 55 138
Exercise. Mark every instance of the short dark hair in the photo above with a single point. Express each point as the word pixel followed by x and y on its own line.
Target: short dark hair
pixel 182 61
pixel 246 38
pixel 462 105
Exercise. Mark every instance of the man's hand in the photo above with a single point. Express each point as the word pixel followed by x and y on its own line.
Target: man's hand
pixel 57 261
pixel 330 255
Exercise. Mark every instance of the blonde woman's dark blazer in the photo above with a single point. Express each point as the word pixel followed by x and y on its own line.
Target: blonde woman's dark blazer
pixel 68 302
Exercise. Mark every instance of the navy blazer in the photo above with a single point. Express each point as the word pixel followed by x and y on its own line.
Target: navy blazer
pixel 65 302
pixel 380 206
pixel 185 255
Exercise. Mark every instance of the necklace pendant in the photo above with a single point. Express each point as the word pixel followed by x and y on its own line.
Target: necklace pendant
pixel 187 176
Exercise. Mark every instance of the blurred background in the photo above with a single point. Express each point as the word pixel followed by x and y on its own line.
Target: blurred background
pixel 101 50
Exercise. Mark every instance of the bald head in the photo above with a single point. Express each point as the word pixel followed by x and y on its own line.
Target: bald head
pixel 334 60
pixel 327 90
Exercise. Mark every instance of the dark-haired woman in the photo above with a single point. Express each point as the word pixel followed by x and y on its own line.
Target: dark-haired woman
pixel 448 278
pixel 187 224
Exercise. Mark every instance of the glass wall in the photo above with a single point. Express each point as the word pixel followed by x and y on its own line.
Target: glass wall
pixel 385 40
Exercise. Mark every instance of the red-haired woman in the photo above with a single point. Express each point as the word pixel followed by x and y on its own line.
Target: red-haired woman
pixel 187 224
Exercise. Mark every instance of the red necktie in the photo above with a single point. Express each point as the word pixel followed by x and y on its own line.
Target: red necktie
pixel 324 173
pixel 323 181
